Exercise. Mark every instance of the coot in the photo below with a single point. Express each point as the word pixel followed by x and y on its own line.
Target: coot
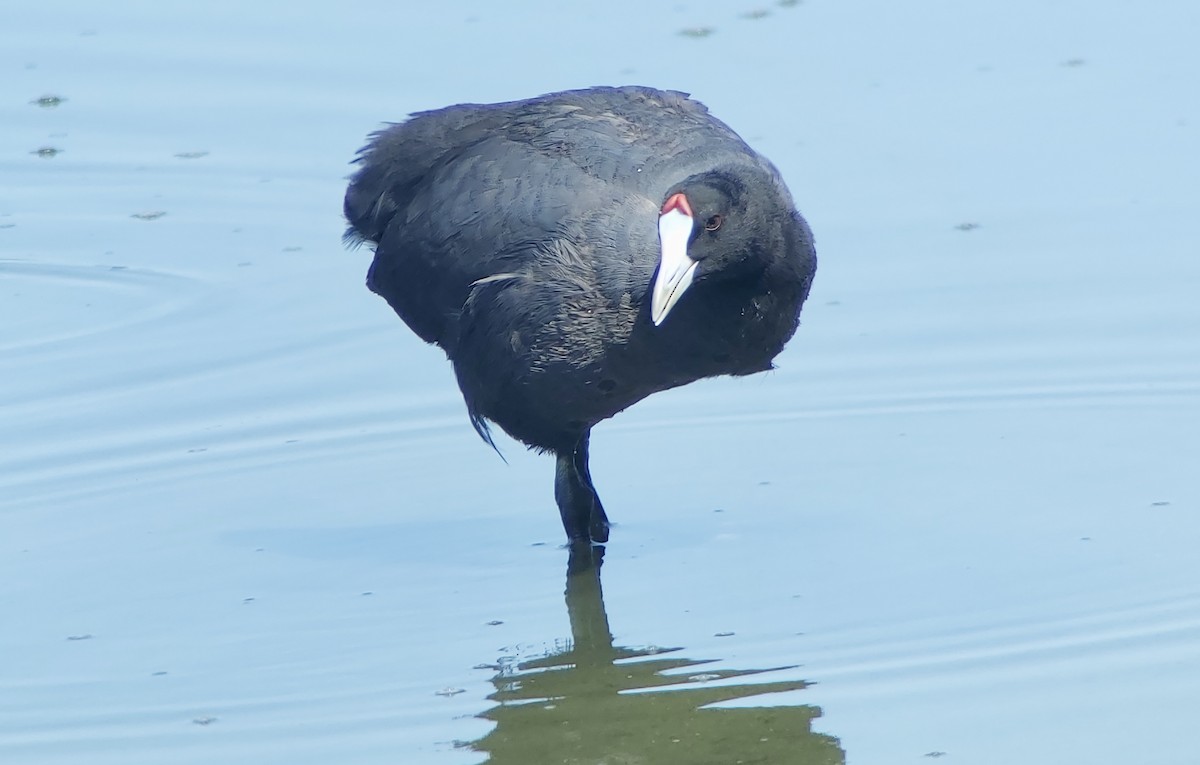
pixel 576 252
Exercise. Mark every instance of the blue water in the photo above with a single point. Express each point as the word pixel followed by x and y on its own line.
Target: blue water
pixel 243 517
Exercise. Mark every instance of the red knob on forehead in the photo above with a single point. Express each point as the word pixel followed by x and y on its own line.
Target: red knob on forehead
pixel 677 202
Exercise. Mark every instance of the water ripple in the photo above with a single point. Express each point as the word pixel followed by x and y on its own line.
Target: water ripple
pixel 52 304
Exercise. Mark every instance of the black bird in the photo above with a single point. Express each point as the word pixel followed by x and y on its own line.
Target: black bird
pixel 574 253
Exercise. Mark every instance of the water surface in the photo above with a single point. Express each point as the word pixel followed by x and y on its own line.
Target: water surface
pixel 243 517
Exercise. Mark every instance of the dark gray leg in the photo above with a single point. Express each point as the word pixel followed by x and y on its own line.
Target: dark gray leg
pixel 598 525
pixel 582 514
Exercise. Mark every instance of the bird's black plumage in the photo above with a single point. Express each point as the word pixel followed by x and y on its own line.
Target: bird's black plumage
pixel 522 238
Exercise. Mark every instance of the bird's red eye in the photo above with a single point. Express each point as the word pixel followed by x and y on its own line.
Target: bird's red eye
pixel 713 223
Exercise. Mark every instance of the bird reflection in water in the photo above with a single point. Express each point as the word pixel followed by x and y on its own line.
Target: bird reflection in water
pixel 601 704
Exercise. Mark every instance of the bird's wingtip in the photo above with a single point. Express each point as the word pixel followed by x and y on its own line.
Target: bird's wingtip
pixel 485 432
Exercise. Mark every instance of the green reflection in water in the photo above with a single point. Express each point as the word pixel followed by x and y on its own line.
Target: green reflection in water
pixel 595 703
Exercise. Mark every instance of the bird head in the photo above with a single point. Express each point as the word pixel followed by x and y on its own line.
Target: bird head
pixel 716 225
